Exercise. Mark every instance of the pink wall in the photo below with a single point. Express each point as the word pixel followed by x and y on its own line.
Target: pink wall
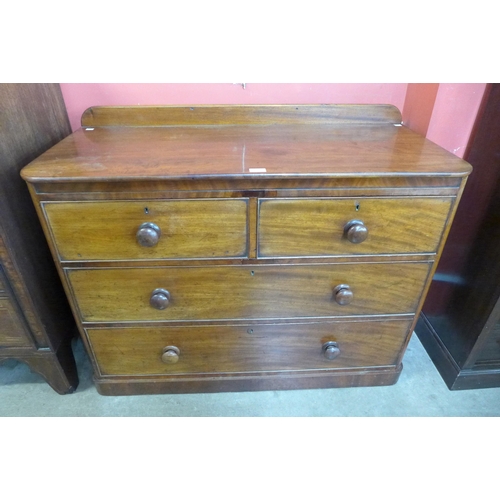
pixel 454 114
pixel 447 114
pixel 419 103
pixel 80 96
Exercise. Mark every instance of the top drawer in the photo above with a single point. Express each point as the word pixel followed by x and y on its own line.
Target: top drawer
pixel 178 229
pixel 317 226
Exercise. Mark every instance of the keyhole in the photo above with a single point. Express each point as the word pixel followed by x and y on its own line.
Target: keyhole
pixel 357 206
pixel 146 210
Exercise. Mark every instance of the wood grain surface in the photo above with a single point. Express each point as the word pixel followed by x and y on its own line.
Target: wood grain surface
pixel 32 120
pixel 150 116
pixel 36 325
pixel 13 330
pixel 308 227
pixel 189 229
pixel 225 349
pixel 235 152
pixel 208 293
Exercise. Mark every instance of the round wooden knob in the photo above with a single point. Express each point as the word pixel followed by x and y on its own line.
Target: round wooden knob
pixel 355 231
pixel 160 298
pixel 148 234
pixel 331 350
pixel 343 294
pixel 170 354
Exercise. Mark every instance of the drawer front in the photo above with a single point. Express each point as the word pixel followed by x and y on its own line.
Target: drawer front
pixel 317 227
pixel 184 229
pixel 13 332
pixel 249 348
pixel 226 292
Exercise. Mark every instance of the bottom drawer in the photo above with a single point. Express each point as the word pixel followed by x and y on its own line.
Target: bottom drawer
pixel 248 348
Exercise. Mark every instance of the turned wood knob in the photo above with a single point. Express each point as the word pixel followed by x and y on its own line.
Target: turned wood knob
pixel 343 294
pixel 160 298
pixel 355 231
pixel 170 354
pixel 331 350
pixel 148 234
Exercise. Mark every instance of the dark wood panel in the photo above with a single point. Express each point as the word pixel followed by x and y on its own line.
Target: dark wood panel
pixel 32 119
pixel 465 291
pixel 37 322
pixel 455 377
pixel 490 351
pixel 3 281
pixel 13 331
pixel 251 186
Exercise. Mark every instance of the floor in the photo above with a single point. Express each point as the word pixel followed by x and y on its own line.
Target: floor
pixel 420 392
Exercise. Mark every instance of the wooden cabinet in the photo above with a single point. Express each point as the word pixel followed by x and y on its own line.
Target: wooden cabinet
pixel 36 325
pixel 14 331
pixel 459 324
pixel 216 248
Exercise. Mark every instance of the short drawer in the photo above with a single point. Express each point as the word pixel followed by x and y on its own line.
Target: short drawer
pixel 226 292
pixel 328 227
pixel 125 230
pixel 13 332
pixel 248 348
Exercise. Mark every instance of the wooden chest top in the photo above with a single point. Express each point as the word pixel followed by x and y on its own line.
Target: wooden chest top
pixel 239 142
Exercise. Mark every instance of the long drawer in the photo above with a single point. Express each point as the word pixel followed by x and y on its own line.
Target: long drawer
pixel 320 227
pixel 177 229
pixel 226 292
pixel 230 349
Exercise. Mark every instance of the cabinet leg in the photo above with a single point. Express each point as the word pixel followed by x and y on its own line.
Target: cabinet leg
pixel 58 369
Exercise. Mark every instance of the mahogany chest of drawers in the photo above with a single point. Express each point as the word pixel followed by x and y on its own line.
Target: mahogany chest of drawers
pixel 216 248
